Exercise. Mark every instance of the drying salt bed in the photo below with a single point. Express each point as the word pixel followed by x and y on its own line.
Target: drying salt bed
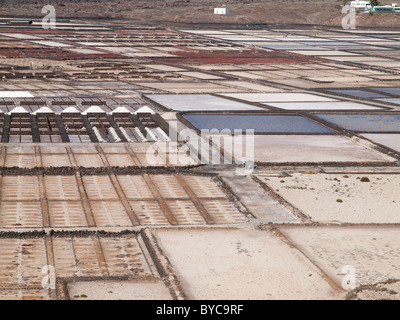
pixel 360 93
pixel 323 53
pixel 261 204
pixel 341 198
pixel 258 123
pixel 279 97
pixel 20 36
pixel 15 94
pixel 118 290
pixel 308 148
pixel 84 51
pixel 240 264
pixel 365 123
pixel 199 75
pixel 331 105
pixel 374 252
pixel 162 67
pixel 51 43
pixel 252 86
pixel 389 140
pixel 199 102
pixel 186 87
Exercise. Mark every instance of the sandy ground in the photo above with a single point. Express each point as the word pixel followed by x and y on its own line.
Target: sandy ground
pixel 387 290
pixel 374 252
pixel 240 264
pixel 340 198
pixel 118 290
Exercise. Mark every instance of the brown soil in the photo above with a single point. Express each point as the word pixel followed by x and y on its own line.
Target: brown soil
pixel 169 12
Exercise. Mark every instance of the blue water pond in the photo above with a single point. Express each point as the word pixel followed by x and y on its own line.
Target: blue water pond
pixel 259 123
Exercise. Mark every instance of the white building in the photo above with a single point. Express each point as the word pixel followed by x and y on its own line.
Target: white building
pixel 221 11
pixel 360 4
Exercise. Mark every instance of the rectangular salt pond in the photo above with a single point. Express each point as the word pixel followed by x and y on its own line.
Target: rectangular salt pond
pixel 241 38
pixel 321 52
pixel 15 94
pixel 84 51
pixel 289 47
pixel 394 91
pixel 240 264
pixel 339 43
pixel 278 97
pixel 391 140
pixel 199 102
pixel 306 148
pixel 199 75
pixel 334 105
pixel 365 123
pixel 21 36
pixel 259 123
pixel 316 42
pixel 395 101
pixel 52 43
pixel 359 93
